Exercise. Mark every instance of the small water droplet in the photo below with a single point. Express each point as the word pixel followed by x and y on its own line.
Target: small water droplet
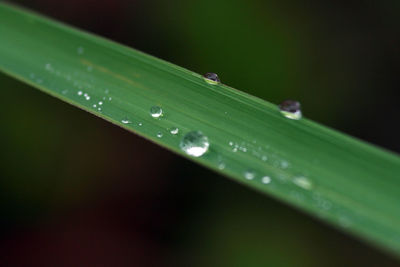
pixel 106 91
pixel 87 98
pixel 80 92
pixel 221 165
pixel 99 109
pixel 174 130
pixel 156 111
pixel 211 78
pixel 48 67
pixel 194 143
pixel 249 174
pixel 94 105
pixel 64 92
pixel 140 124
pixel 231 143
pixel 110 98
pixel 159 134
pixel 100 103
pixel 125 121
pixel 266 180
pixel 264 158
pixel 303 182
pixel 80 50
pixel 291 109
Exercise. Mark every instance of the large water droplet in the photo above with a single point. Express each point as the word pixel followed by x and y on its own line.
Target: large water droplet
pixel 303 182
pixel 291 109
pixel 211 78
pixel 174 130
pixel 156 111
pixel 194 143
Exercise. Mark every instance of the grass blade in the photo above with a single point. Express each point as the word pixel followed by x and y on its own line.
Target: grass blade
pixel 342 180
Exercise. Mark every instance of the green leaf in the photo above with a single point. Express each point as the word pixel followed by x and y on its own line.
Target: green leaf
pixel 351 184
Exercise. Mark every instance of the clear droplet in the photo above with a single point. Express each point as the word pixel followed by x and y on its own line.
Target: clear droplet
pixel 174 130
pixel 100 103
pixel 48 67
pixel 221 165
pixel 159 134
pixel 266 180
pixel 303 182
pixel 291 109
pixel 125 121
pixel 249 174
pixel 211 78
pixel 156 111
pixel 80 92
pixel 194 143
pixel 140 124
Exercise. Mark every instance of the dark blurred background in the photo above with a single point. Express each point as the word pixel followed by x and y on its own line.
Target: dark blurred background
pixel 78 191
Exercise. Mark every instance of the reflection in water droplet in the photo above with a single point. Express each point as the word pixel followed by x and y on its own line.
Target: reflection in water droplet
pixel 174 130
pixel 156 111
pixel 303 182
pixel 249 174
pixel 291 109
pixel 100 103
pixel 159 134
pixel 194 143
pixel 266 180
pixel 80 92
pixel 211 78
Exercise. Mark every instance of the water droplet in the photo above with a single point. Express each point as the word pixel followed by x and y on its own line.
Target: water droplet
pixel 100 103
pixel 303 182
pixel 211 78
pixel 194 143
pixel 156 111
pixel 80 50
pixel 231 143
pixel 140 124
pixel 291 109
pixel 221 165
pixel 110 98
pixel 266 180
pixel 159 134
pixel 264 158
pixel 106 91
pixel 125 121
pixel 249 174
pixel 80 92
pixel 174 130
pixel 48 67
pixel 94 105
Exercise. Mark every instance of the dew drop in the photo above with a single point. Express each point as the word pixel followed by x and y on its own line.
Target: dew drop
pixel 211 78
pixel 194 143
pixel 291 109
pixel 100 103
pixel 125 121
pixel 156 111
pixel 140 124
pixel 174 130
pixel 64 92
pixel 303 182
pixel 48 67
pixel 159 134
pixel 221 165
pixel 80 93
pixel 266 180
pixel 249 174
pixel 94 105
